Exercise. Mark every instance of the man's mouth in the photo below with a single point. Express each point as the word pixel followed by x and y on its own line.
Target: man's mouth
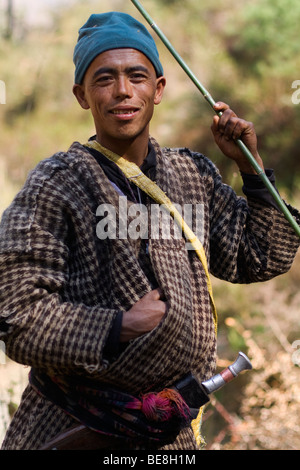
pixel 124 112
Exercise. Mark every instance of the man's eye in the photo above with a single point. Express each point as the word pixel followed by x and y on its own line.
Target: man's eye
pixel 138 76
pixel 104 78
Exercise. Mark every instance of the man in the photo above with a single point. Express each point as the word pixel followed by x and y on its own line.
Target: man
pixel 109 323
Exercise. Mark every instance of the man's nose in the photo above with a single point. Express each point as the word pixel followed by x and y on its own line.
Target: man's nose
pixel 123 87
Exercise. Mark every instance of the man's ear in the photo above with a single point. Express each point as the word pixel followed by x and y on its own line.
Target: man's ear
pixel 78 91
pixel 160 86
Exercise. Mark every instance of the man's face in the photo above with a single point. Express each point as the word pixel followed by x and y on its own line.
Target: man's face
pixel 121 88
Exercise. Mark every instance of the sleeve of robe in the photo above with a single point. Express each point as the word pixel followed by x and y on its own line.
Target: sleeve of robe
pixel 250 239
pixel 40 326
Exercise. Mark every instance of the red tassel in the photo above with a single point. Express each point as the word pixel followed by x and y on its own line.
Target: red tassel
pixel 163 405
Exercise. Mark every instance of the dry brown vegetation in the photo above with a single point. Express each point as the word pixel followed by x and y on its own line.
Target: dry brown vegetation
pixel 261 409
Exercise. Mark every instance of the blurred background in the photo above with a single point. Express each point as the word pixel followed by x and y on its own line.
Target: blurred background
pixel 246 53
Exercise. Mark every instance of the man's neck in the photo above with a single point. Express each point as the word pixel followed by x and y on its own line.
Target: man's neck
pixel 134 150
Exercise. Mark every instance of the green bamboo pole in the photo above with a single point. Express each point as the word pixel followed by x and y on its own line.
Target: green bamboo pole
pixel 281 205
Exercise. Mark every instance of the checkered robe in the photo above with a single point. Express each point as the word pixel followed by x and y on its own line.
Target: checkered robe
pixel 62 287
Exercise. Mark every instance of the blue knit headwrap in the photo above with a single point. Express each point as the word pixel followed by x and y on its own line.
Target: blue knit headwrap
pixel 113 30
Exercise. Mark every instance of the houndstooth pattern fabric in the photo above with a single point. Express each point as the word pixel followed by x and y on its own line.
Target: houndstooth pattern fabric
pixel 62 287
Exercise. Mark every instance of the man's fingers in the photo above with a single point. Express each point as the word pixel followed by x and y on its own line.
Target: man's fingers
pixel 143 316
pixel 230 126
pixel 220 107
pixel 155 294
pixel 232 129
